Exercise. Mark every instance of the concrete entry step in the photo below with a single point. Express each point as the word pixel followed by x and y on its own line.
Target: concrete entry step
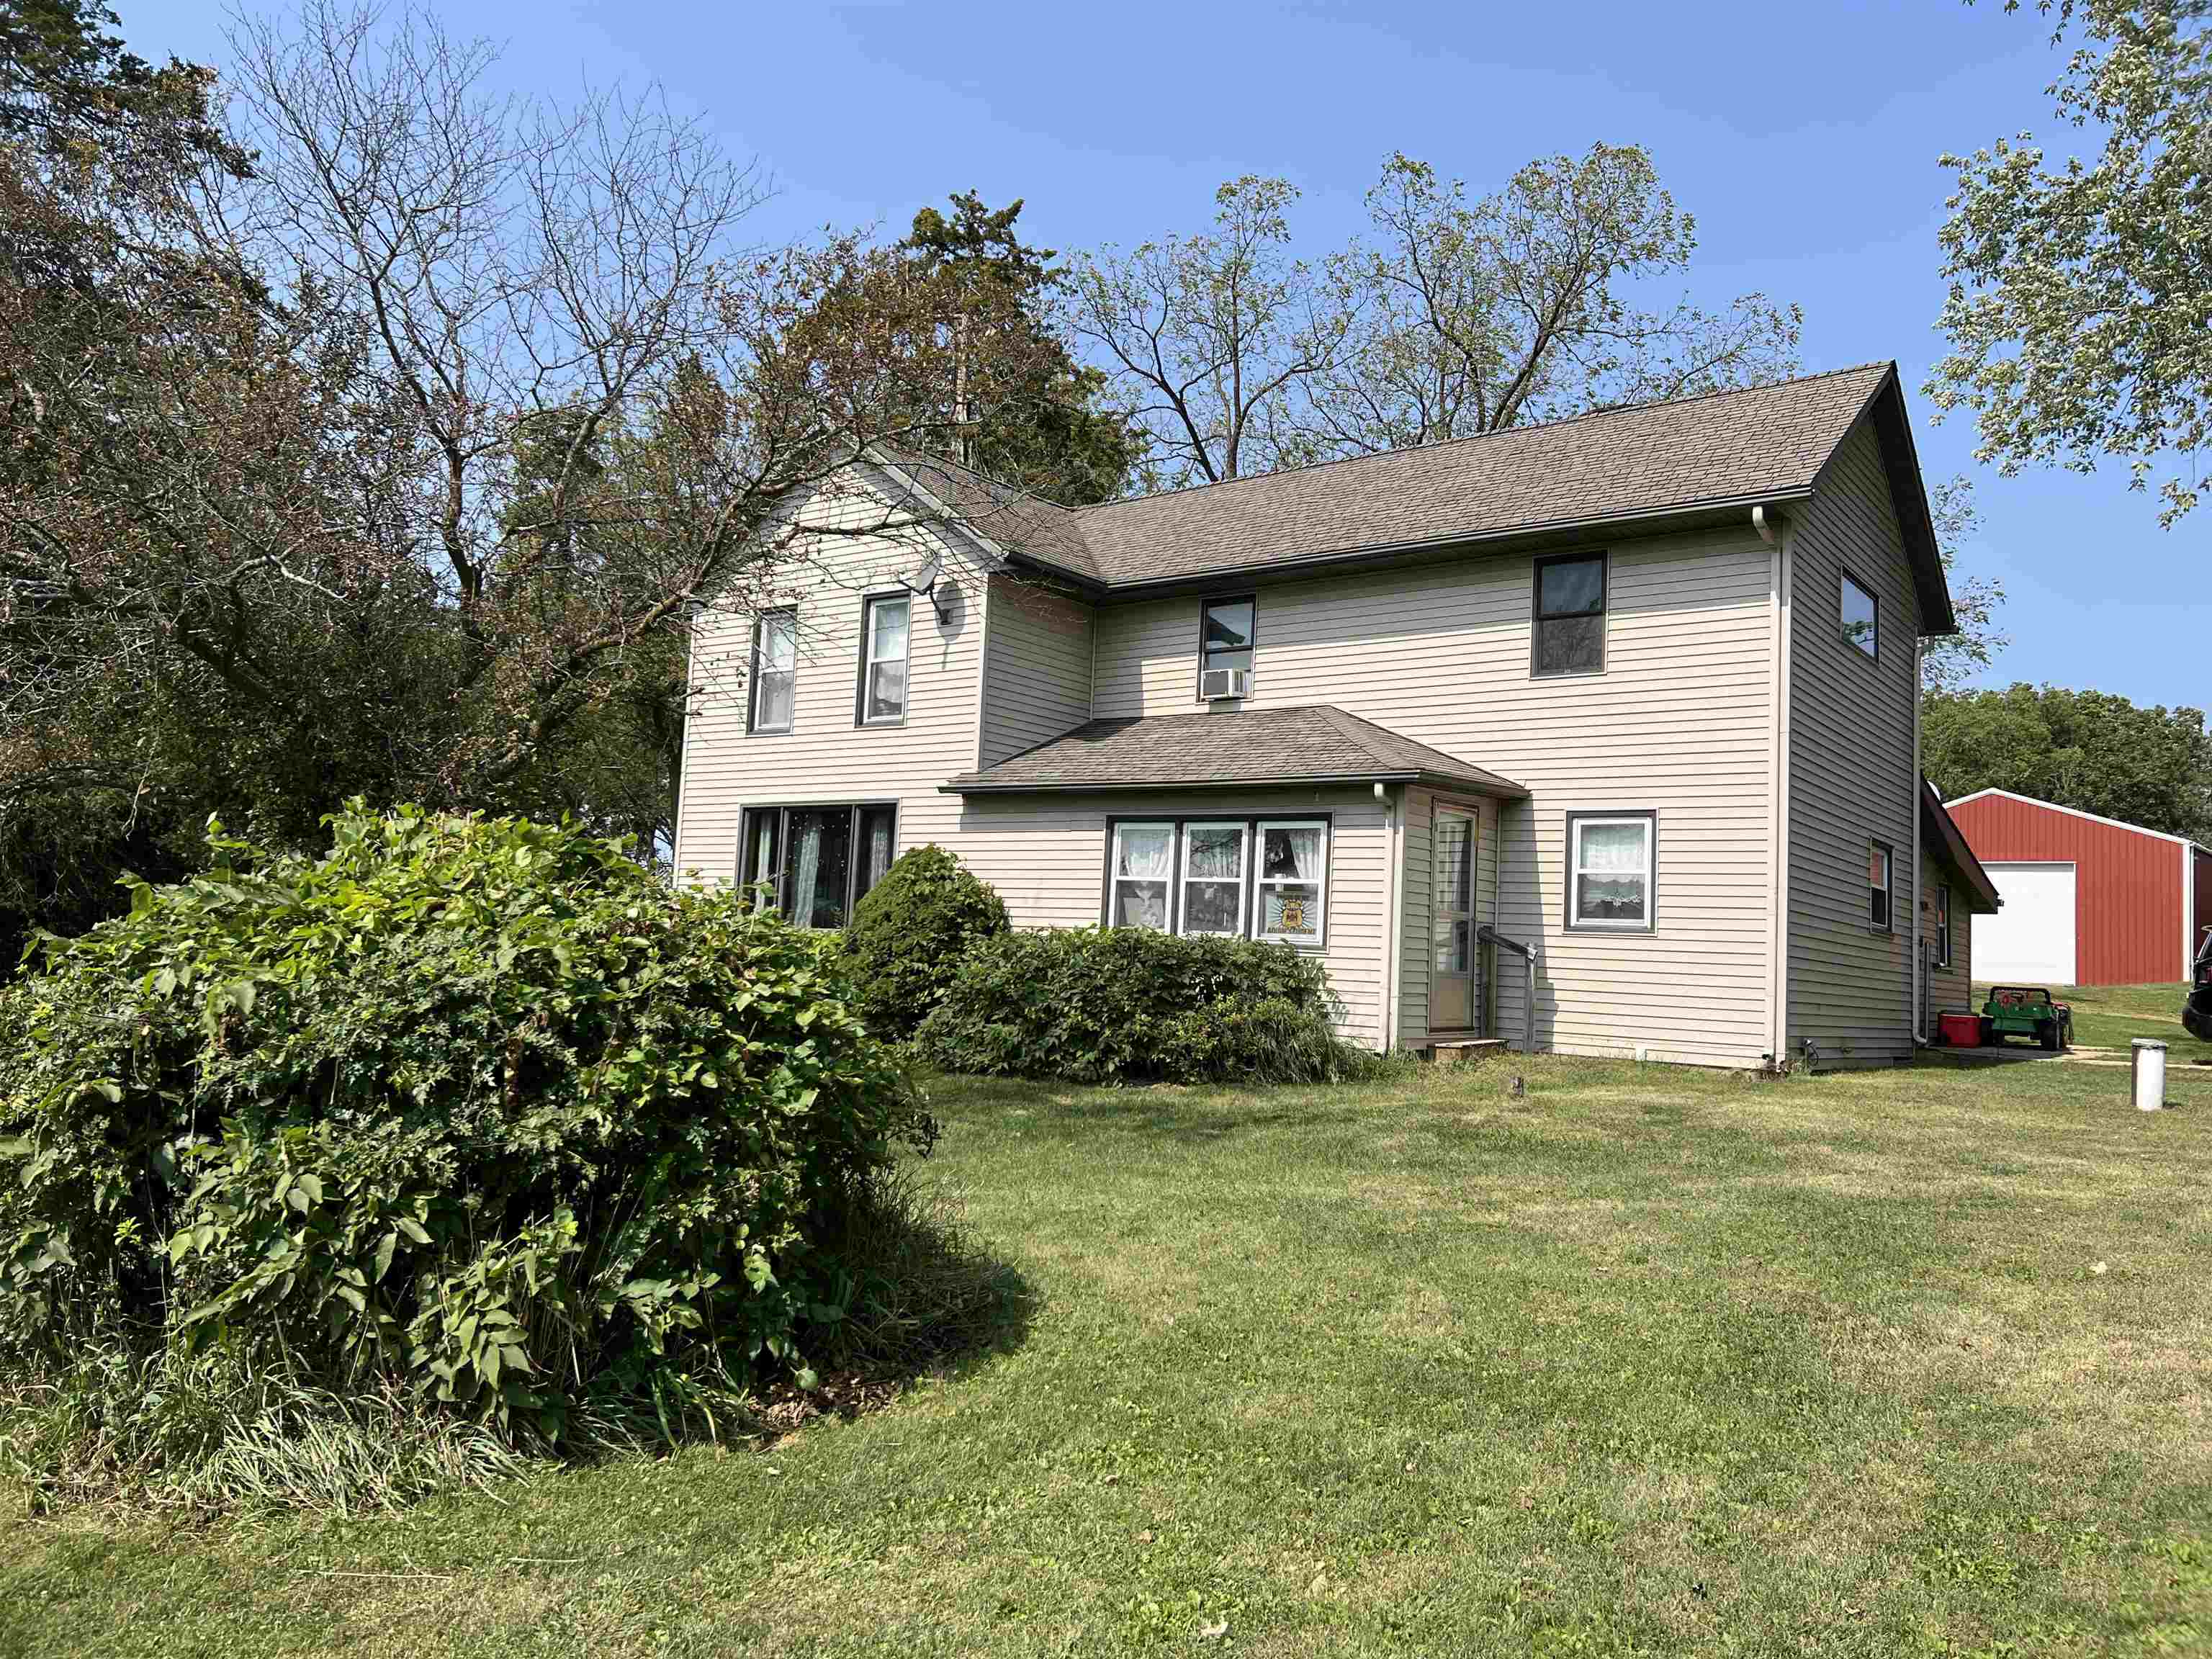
pixel 1461 1050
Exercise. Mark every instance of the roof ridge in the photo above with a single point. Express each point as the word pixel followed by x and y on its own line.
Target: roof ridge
pixel 1089 509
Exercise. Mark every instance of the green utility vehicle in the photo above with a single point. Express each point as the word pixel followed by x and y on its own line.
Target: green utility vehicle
pixel 2026 1011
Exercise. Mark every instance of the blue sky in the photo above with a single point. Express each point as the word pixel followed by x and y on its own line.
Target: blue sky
pixel 1804 139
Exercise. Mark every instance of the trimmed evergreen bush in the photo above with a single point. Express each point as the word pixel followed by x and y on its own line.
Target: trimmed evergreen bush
pixel 1126 1005
pixel 477 1113
pixel 910 932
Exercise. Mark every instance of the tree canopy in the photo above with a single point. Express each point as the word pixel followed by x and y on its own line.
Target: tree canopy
pixel 1452 316
pixel 2086 750
pixel 2080 310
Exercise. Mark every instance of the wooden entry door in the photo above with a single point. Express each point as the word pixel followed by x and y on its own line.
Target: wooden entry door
pixel 1451 906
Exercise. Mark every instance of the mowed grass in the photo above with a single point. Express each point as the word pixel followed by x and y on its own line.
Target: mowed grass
pixel 1651 1361
pixel 2113 1016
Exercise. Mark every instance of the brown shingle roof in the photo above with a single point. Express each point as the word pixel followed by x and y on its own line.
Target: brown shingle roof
pixel 1250 748
pixel 1039 530
pixel 1759 443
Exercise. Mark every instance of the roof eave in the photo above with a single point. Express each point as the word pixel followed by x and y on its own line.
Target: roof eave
pixel 1497 789
pixel 1649 521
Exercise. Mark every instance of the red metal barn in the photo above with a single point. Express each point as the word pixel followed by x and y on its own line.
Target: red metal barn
pixel 2088 900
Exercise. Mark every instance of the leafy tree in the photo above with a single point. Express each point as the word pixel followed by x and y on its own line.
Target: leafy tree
pixel 396 464
pixel 1947 659
pixel 2079 311
pixel 1046 428
pixel 1456 317
pixel 1470 316
pixel 2088 750
pixel 1211 336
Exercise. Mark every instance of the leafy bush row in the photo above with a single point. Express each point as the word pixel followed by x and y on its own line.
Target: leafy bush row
pixel 475 1109
pixel 1095 1004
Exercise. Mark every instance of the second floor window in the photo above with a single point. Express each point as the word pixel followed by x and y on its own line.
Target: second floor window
pixel 1570 615
pixel 1224 636
pixel 883 660
pixel 1862 618
pixel 776 670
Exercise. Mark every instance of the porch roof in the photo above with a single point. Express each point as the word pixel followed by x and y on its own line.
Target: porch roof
pixel 1249 749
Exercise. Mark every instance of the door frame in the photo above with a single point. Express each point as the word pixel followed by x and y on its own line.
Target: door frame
pixel 1474 1024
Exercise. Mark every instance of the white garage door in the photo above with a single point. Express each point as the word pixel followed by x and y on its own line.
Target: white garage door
pixel 2031 941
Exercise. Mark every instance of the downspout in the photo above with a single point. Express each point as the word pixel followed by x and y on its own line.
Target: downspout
pixel 1392 853
pixel 1919 947
pixel 2188 912
pixel 1773 529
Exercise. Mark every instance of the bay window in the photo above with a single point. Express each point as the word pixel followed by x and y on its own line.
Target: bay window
pixel 1264 878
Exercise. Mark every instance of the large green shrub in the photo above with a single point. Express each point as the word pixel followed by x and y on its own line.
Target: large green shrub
pixel 910 932
pixel 476 1111
pixel 1094 1005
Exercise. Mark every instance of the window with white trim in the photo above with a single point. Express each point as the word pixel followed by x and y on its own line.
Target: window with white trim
pixel 883 652
pixel 1610 856
pixel 1141 874
pixel 1878 874
pixel 1292 881
pixel 1214 867
pixel 1250 878
pixel 776 670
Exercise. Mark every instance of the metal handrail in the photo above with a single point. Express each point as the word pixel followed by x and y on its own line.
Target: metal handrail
pixel 1489 935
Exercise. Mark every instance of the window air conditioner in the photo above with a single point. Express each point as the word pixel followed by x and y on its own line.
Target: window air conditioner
pixel 1221 684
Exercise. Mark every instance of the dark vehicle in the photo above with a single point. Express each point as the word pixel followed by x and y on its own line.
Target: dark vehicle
pixel 2026 1011
pixel 2196 1012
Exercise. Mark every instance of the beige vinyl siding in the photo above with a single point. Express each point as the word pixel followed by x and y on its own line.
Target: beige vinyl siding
pixel 826 757
pixel 1679 723
pixel 1046 856
pixel 1417 902
pixel 1951 988
pixel 1851 777
pixel 1037 667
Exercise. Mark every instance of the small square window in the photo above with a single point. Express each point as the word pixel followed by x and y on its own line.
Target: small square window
pixel 1569 625
pixel 1878 873
pixel 1862 618
pixel 1609 866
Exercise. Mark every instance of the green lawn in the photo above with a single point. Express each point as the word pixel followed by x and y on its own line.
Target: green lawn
pixel 2112 1016
pixel 1651 1361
